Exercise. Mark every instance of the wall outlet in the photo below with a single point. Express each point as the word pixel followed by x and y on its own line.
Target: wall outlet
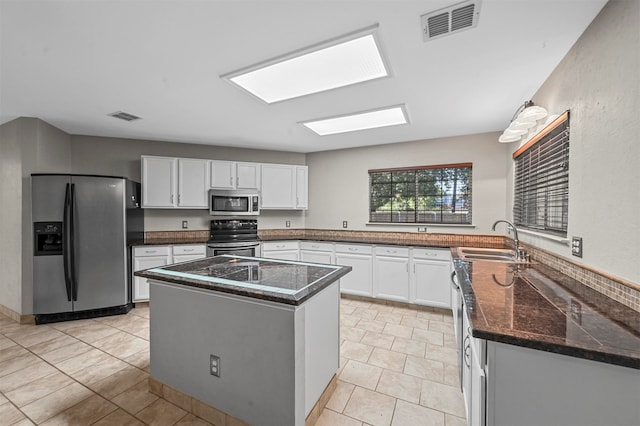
pixel 287 224
pixel 214 365
pixel 185 224
pixel 344 224
pixel 422 229
pixel 576 246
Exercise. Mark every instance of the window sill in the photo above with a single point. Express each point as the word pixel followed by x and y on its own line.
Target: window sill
pixel 562 240
pixel 423 225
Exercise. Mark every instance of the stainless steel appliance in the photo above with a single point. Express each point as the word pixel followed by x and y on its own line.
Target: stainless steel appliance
pixel 234 236
pixel 81 261
pixel 233 203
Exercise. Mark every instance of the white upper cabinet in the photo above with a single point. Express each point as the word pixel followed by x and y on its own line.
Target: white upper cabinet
pixel 302 197
pixel 158 182
pixel 234 175
pixel 283 187
pixel 222 174
pixel 174 182
pixel 247 175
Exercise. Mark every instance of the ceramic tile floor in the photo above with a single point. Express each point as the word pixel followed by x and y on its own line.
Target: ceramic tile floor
pixel 398 367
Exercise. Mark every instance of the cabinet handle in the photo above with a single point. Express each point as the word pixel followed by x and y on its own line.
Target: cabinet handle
pixel 179 198
pixel 414 268
pixel 187 249
pixel 353 249
pixel 150 251
pixel 231 180
pixel 280 246
pixel 391 251
pixel 467 351
pixel 315 246
pixel 453 278
pixel 171 198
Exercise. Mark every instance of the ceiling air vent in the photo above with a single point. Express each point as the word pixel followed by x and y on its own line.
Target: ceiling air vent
pixel 124 116
pixel 446 21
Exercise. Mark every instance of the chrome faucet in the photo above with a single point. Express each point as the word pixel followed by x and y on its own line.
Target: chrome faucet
pixel 515 235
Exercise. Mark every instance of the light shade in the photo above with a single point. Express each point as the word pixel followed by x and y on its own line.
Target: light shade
pixel 531 114
pixel 350 59
pixel 390 116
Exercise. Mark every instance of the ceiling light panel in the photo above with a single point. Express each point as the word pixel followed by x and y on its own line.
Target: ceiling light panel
pixel 341 62
pixel 390 116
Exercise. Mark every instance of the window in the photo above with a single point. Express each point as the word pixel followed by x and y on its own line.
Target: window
pixel 541 183
pixel 426 194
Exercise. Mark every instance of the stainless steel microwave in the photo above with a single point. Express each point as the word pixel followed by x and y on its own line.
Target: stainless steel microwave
pixel 233 203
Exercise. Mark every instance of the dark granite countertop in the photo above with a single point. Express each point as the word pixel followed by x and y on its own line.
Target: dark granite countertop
pixel 279 281
pixel 534 306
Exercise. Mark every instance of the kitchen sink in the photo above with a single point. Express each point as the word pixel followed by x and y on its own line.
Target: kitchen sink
pixel 496 255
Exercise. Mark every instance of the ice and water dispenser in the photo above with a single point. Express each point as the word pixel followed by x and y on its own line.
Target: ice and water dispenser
pixel 48 238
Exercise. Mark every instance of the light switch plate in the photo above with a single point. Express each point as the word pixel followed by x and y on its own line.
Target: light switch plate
pixel 576 246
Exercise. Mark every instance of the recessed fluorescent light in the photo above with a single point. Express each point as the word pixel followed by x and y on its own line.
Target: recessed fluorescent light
pixel 390 116
pixel 340 62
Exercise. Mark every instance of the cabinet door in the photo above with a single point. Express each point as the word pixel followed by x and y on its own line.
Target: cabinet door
pixel 140 285
pixel 158 182
pixel 247 175
pixel 359 280
pixel 278 186
pixel 302 199
pixel 222 174
pixel 432 283
pixel 192 183
pixel 392 278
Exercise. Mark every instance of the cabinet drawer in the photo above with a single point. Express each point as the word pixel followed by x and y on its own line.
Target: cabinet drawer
pixel 279 245
pixel 189 249
pixel 353 248
pixel 315 246
pixel 392 251
pixel 143 251
pixel 432 253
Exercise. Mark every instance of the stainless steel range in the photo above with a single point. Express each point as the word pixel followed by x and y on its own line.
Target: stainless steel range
pixel 233 236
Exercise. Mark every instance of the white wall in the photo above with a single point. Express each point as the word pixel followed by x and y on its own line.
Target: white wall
pixel 121 157
pixel 599 82
pixel 339 180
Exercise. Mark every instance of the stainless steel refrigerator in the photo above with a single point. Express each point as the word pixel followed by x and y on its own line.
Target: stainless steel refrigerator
pixel 82 227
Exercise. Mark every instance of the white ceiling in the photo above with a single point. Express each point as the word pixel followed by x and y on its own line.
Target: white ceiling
pixel 71 63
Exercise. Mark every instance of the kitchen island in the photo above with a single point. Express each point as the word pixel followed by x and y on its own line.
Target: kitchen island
pixel 254 338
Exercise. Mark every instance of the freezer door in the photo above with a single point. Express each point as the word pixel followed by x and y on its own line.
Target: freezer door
pixel 47 205
pixel 101 269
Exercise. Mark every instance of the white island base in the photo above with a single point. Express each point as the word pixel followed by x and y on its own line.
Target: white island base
pixel 275 359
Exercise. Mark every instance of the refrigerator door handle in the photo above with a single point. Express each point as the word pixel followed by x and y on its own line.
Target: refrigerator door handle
pixel 65 241
pixel 72 243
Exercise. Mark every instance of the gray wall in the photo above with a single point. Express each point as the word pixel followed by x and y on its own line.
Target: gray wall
pixel 27 145
pixel 121 157
pixel 599 82
pixel 339 180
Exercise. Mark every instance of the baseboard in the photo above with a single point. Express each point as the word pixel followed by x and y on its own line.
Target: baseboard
pixel 19 318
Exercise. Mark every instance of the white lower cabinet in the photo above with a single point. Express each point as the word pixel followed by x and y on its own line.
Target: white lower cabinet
pixel 145 257
pixel 391 273
pixel 281 250
pixel 185 253
pixel 317 252
pixel 359 281
pixel 431 274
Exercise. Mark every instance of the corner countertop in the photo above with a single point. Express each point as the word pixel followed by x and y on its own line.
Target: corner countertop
pixel 280 281
pixel 534 306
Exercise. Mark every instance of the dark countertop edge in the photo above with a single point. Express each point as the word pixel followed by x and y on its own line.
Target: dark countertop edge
pixel 563 349
pixel 574 351
pixel 288 299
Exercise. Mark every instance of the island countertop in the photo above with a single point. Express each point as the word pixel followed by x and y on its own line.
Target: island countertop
pixel 281 281
pixel 534 306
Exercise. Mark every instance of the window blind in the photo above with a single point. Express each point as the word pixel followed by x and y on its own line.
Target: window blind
pixel 541 182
